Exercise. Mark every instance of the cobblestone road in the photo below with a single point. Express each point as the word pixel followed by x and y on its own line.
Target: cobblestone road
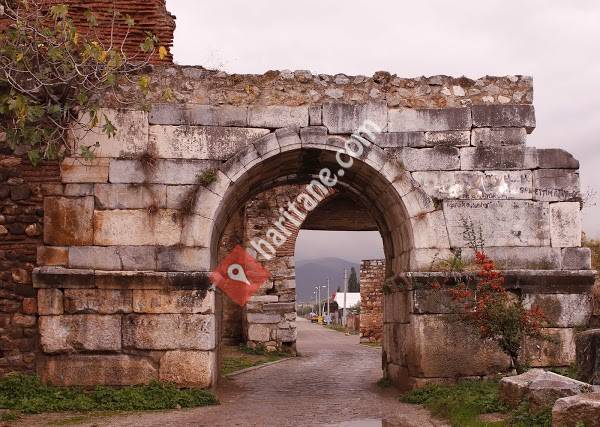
pixel 332 382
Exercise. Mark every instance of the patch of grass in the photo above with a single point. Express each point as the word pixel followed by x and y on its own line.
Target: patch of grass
pixel 523 417
pixel 461 403
pixel 384 382
pixel 207 177
pixel 570 371
pixel 243 357
pixel 25 393
pixel 9 416
pixel 374 344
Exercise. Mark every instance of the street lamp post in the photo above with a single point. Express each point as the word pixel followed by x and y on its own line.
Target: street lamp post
pixel 328 298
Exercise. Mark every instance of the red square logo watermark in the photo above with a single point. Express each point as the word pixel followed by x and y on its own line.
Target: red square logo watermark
pixel 239 275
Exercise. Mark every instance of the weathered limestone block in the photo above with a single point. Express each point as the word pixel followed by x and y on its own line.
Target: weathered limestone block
pixel 267 146
pixel 456 138
pixel 396 342
pixel 558 351
pixel 188 368
pixel 555 185
pixel 556 158
pixel 530 258
pixel 92 370
pixel 315 115
pixel 440 345
pixel 100 257
pixel 277 116
pixel 540 388
pixel 401 139
pixel 433 301
pixel 130 280
pixel 347 118
pixel 171 258
pixel 62 278
pixel 131 137
pixel 79 190
pixel 97 301
pixel 137 227
pixel 579 410
pixel 500 116
pixel 476 185
pixel 565 224
pixel 420 159
pixel 287 335
pixel 562 310
pixel 52 255
pixel 196 231
pixel 67 221
pixel 169 331
pixel 503 222
pixel 430 231
pixel 498 136
pixel 86 332
pixel 280 307
pixel 587 357
pixel 163 171
pixel 199 142
pixel 498 158
pixel 263 317
pixel 173 301
pixel 288 139
pixel 259 333
pixel 410 120
pixel 79 170
pixel 130 196
pixel 50 302
pixel 429 259
pixel 576 258
pixel 198 115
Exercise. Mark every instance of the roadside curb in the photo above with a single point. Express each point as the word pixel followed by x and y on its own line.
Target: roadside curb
pixel 252 368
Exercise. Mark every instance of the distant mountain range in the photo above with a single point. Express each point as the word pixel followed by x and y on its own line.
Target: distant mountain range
pixel 313 272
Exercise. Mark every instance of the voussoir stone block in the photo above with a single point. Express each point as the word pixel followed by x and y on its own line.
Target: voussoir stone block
pixel 86 332
pixel 131 137
pixel 79 170
pixel 411 120
pixel 445 185
pixel 137 227
pixel 97 301
pixel 348 118
pixel 198 115
pixel 201 142
pixel 498 136
pixel 503 222
pixel 498 158
pixel 556 158
pixel 169 331
pixel 67 221
pixel 153 301
pixel 188 368
pixel 93 370
pixel 275 116
pixel 130 196
pixel 565 224
pixel 499 116
pixel 288 138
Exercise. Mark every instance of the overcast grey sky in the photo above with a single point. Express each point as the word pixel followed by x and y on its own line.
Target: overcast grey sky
pixel 557 42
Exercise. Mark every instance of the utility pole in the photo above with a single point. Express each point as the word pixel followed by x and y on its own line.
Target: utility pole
pixel 316 302
pixel 345 294
pixel 328 298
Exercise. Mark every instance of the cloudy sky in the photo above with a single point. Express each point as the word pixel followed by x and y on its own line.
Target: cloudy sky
pixel 555 41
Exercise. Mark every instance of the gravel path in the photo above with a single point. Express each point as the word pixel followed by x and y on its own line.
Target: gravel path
pixel 333 382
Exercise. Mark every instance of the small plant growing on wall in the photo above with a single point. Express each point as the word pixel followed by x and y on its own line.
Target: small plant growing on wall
pixel 496 314
pixel 52 75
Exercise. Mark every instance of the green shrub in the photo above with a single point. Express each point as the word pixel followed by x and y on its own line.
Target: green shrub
pixel 27 394
pixel 523 417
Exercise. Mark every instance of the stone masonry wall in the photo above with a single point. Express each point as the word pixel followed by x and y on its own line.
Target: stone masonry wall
pixel 372 277
pixel 21 215
pixel 448 149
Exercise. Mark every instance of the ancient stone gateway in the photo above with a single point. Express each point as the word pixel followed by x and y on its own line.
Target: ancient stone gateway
pixel 123 291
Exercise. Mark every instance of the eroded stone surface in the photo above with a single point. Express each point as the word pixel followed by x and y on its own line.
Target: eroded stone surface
pixel 188 368
pixel 573 411
pixel 86 332
pixel 68 221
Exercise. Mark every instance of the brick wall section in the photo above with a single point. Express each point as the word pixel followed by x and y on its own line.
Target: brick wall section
pixel 21 219
pixel 372 275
